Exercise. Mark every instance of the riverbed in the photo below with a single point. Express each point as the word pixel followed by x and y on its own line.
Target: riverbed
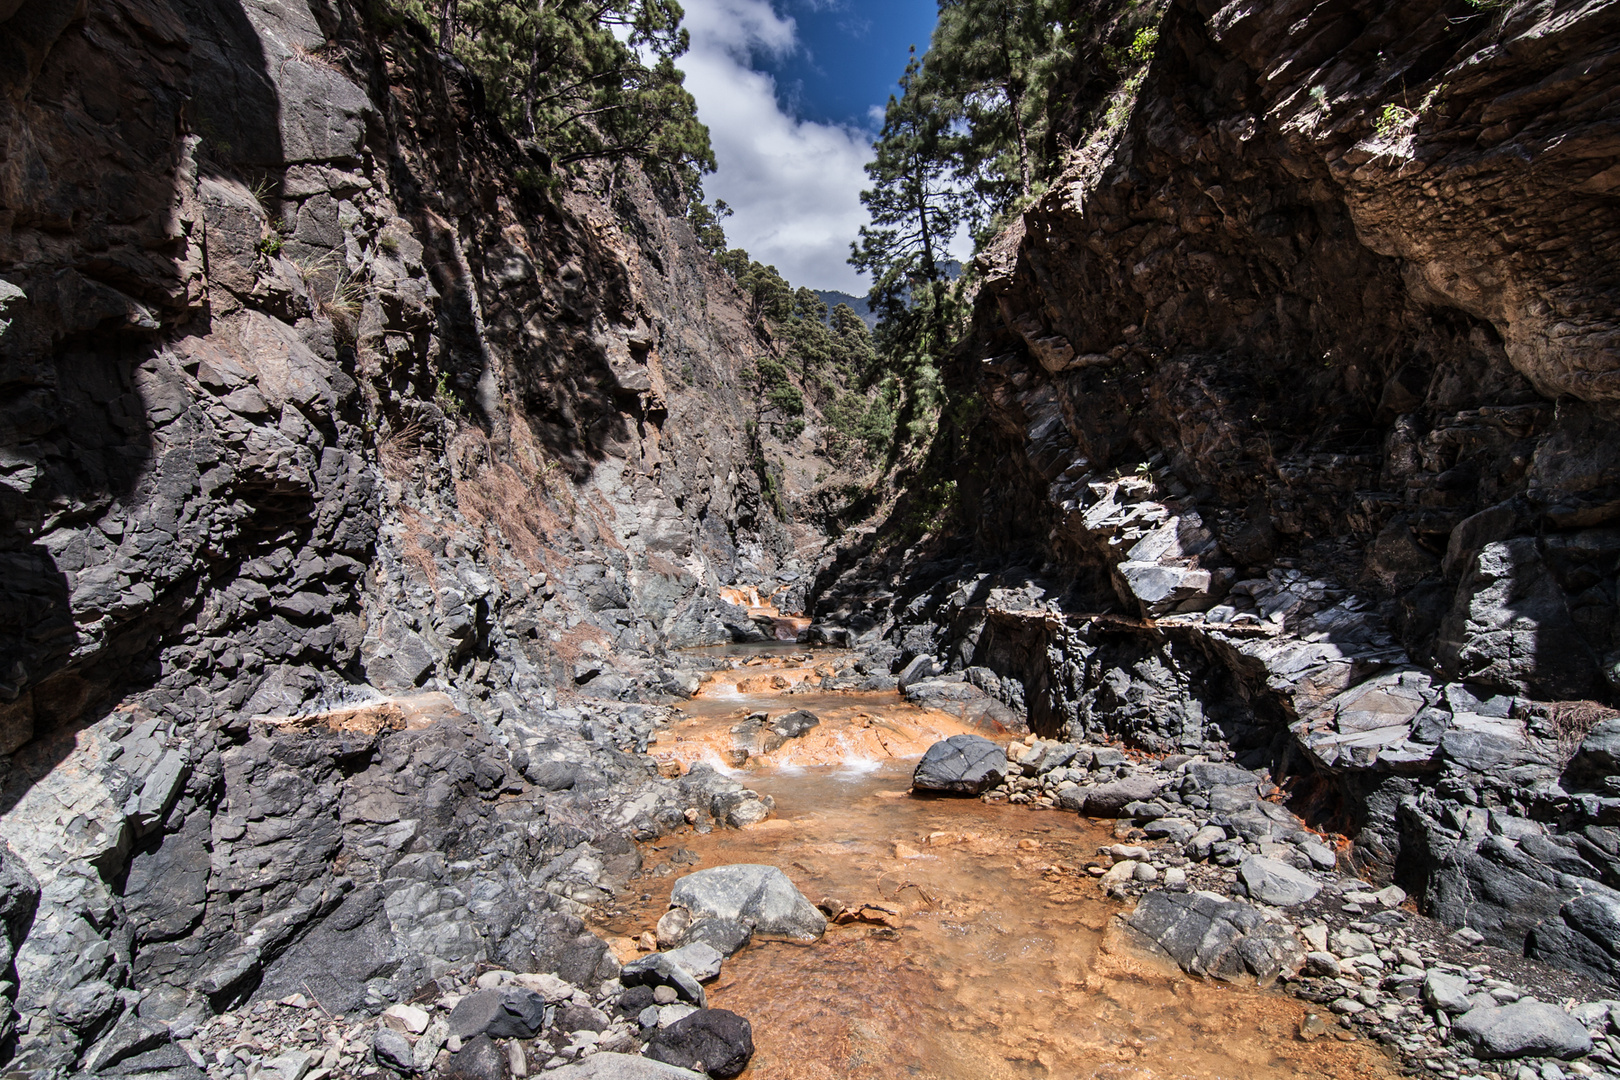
pixel 969 942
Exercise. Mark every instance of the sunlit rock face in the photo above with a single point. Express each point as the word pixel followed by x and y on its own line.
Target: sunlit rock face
pixel 1293 435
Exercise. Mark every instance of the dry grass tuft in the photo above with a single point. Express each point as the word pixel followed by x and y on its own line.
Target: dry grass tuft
pixel 1569 722
pixel 399 450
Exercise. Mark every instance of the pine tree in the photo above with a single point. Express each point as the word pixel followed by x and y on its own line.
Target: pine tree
pixel 992 64
pixel 589 80
pixel 915 203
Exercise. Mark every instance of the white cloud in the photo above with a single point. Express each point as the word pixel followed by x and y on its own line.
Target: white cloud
pixel 794 186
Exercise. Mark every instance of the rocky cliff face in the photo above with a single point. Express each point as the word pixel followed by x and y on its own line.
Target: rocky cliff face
pixel 336 440
pixel 1299 387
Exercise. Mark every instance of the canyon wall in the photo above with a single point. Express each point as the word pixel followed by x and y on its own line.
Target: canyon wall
pixel 1288 415
pixel 338 438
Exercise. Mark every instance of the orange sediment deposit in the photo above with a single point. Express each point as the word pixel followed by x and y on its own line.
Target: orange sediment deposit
pixel 966 941
pixel 856 731
pixel 786 626
pixel 407 713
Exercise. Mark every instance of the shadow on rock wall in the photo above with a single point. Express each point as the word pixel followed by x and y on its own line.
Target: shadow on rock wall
pixel 110 113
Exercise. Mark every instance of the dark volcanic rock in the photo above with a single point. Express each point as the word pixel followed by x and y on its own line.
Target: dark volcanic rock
pixel 962 763
pixel 714 1041
pixel 500 1014
pixel 478 1059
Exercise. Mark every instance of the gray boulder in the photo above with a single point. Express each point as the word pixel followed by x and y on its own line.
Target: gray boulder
pixel 700 960
pixel 501 1014
pixel 920 668
pixel 660 970
pixel 622 1067
pixel 1109 800
pixel 1209 774
pixel 789 726
pixel 392 1050
pixel 752 893
pixel 1273 882
pixel 1522 1029
pixel 727 936
pixel 1226 940
pixel 1450 993
pixel 962 763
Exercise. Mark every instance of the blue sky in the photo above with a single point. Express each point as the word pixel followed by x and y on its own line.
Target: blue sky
pixel 850 57
pixel 792 92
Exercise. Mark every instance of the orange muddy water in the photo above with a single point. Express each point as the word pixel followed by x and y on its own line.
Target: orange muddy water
pixel 972 944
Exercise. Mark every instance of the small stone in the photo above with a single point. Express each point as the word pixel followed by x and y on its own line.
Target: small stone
pixel 1146 872
pixel 1313 1027
pixel 392 1050
pixel 406 1018
pixel 1120 872
pixel 1321 964
pixel 665 995
pixel 672 927
pixel 1175 878
pixel 1347 1006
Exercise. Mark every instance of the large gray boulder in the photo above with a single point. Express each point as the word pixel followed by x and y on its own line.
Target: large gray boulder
pixel 1522 1029
pixel 1277 883
pixel 622 1067
pixel 961 763
pixel 1227 940
pixel 749 892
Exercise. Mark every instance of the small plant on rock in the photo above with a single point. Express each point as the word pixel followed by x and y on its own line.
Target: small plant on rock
pixel 1393 119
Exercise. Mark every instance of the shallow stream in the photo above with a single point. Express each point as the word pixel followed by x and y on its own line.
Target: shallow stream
pixel 973 945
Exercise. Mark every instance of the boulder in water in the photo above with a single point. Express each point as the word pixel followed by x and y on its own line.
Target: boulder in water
pixel 1225 939
pixel 748 892
pixel 660 969
pixel 961 763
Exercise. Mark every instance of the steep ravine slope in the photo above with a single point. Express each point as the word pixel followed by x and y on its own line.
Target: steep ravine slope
pixel 340 462
pixel 1291 438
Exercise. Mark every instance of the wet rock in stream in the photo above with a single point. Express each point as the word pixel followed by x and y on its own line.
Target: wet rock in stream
pixel 966 764
pixel 761 896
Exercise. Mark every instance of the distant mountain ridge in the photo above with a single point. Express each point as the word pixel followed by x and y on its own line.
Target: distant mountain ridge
pixel 832 298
